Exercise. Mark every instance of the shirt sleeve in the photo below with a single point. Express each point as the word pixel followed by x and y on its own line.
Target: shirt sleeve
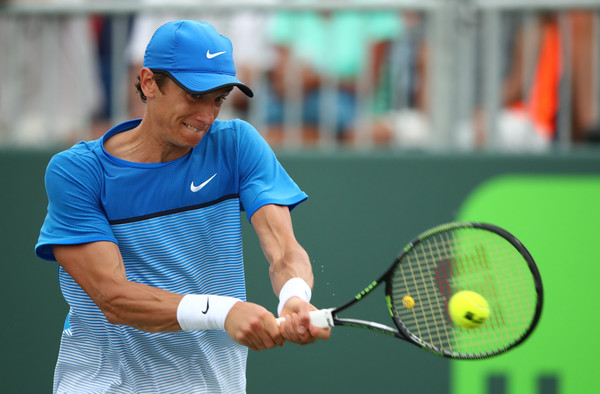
pixel 263 180
pixel 75 215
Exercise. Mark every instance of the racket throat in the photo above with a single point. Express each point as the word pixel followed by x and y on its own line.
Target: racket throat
pixel 370 325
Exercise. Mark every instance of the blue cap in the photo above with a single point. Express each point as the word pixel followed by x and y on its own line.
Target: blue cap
pixel 195 55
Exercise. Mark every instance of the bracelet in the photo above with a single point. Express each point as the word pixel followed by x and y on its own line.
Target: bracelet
pixel 295 287
pixel 204 312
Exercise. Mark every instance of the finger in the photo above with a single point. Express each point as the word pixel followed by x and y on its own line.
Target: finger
pixel 258 338
pixel 300 333
pixel 304 318
pixel 302 326
pixel 250 344
pixel 254 337
pixel 255 342
pixel 274 330
pixel 298 330
pixel 293 329
pixel 319 333
pixel 287 329
pixel 267 335
pixel 284 327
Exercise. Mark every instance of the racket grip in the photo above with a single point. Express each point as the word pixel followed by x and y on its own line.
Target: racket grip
pixel 321 318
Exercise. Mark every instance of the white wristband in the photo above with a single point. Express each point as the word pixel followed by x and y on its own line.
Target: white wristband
pixel 204 312
pixel 295 287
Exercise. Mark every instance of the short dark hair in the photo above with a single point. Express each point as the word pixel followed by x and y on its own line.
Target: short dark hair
pixel 159 78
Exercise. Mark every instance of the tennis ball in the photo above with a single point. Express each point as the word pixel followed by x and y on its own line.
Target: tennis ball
pixel 468 309
pixel 408 302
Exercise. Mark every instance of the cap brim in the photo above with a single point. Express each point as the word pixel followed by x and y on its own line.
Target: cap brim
pixel 202 83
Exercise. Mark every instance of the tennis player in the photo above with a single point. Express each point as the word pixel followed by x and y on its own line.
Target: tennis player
pixel 145 224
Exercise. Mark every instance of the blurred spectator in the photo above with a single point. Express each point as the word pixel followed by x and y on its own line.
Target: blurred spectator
pixel 535 107
pixel 586 119
pixel 246 29
pixel 50 89
pixel 326 48
pixel 103 27
pixel 531 99
pixel 406 121
pixel 527 114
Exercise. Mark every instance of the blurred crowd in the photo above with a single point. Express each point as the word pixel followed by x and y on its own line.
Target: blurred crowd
pixel 348 77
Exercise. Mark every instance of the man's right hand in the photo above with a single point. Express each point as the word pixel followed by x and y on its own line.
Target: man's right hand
pixel 253 326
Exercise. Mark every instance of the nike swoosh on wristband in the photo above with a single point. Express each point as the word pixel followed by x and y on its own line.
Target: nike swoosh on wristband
pixel 211 55
pixel 204 312
pixel 200 186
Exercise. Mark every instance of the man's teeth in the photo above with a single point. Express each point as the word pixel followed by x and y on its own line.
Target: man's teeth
pixel 192 128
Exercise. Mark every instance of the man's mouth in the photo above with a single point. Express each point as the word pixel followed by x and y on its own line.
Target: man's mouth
pixel 193 128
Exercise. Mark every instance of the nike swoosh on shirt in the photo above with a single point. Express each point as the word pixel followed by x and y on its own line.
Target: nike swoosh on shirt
pixel 200 186
pixel 211 55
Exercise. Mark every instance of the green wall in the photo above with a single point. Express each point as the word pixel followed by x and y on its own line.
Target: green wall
pixel 557 217
pixel 362 209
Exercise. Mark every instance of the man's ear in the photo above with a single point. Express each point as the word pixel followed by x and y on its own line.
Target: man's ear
pixel 147 82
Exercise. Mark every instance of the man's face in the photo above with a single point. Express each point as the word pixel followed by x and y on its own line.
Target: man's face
pixel 184 118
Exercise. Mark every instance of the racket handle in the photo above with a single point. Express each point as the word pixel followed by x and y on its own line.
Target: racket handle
pixel 321 318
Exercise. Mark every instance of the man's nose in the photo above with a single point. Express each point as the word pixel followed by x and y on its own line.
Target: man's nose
pixel 205 114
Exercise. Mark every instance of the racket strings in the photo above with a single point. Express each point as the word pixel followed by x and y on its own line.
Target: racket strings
pixel 432 326
pixel 473 259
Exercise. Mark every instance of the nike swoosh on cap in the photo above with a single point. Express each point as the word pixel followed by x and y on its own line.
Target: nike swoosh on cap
pixel 211 55
pixel 200 186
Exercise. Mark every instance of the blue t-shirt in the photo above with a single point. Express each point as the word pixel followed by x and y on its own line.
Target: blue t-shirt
pixel 178 227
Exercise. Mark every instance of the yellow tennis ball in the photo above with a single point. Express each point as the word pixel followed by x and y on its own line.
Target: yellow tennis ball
pixel 408 302
pixel 468 309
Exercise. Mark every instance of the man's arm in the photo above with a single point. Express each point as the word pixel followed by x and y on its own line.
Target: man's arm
pixel 99 270
pixel 287 260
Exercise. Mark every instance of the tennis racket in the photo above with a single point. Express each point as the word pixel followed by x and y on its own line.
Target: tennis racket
pixel 439 263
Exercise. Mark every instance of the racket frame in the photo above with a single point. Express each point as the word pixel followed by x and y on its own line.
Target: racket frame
pixel 401 331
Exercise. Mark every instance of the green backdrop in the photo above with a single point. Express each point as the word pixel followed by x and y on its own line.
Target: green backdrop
pixel 557 217
pixel 362 209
